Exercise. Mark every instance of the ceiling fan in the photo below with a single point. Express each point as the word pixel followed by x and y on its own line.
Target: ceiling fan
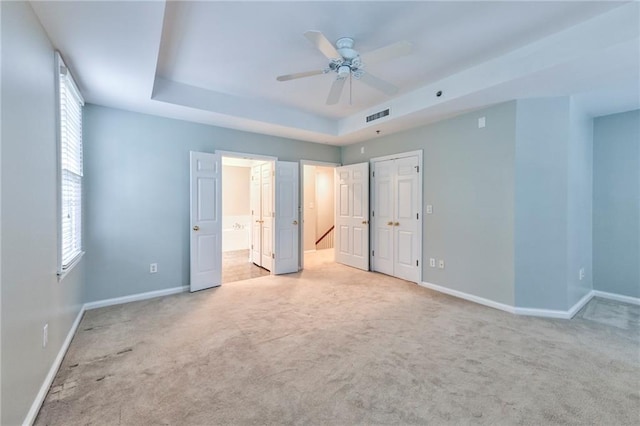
pixel 345 61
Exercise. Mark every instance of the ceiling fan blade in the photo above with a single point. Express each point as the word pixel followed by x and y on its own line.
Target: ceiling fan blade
pixel 320 41
pixel 379 84
pixel 288 77
pixel 386 53
pixel 335 91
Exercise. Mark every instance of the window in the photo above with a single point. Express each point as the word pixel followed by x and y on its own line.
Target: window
pixel 70 160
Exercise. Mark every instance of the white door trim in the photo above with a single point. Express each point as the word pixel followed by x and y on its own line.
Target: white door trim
pixel 302 201
pixel 246 156
pixel 419 153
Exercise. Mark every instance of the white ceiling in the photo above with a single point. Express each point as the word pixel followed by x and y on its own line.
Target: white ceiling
pixel 216 62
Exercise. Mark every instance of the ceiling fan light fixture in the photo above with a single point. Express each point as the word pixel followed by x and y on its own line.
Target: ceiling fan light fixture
pixel 344 71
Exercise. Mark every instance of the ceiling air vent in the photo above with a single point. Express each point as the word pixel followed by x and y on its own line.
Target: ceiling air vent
pixel 378 115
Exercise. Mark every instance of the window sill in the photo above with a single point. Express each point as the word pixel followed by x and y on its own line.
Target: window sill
pixel 62 274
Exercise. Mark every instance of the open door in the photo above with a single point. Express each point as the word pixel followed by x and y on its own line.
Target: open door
pixel 352 215
pixel 287 227
pixel 206 221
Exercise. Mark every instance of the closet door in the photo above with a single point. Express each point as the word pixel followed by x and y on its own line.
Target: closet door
pixel 406 222
pixel 384 216
pixel 256 218
pixel 266 201
pixel 396 218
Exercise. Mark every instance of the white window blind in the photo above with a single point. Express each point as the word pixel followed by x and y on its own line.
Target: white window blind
pixel 70 168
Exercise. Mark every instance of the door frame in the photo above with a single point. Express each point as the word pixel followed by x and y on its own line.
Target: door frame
pixel 302 201
pixel 372 241
pixel 247 156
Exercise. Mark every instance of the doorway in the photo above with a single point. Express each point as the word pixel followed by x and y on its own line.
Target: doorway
pixel 318 214
pixel 206 236
pixel 241 205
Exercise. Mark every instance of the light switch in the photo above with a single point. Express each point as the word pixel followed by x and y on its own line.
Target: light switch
pixel 362 150
pixel 482 122
pixel 429 209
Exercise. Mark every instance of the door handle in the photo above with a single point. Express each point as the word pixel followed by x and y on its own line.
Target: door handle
pixel 396 224
pixel 295 222
pixel 390 223
pixel 364 222
pixel 196 228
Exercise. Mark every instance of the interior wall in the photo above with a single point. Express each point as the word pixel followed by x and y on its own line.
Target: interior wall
pixel 541 247
pixel 31 294
pixel 324 200
pixel 469 180
pixel 137 180
pixel 235 190
pixel 616 204
pixel 310 205
pixel 236 209
pixel 580 205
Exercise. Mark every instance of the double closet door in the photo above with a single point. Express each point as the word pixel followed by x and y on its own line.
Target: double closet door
pixel 262 216
pixel 396 217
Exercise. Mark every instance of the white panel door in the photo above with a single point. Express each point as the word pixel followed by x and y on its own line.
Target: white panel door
pixel 266 231
pixel 286 220
pixel 383 217
pixel 256 218
pixel 406 223
pixel 206 221
pixel 396 220
pixel 352 215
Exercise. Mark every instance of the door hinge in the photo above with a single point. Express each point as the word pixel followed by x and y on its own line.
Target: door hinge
pixel 417 215
pixel 273 173
pixel 251 246
pixel 416 263
pixel 373 252
pixel 373 174
pixel 273 255
pixel 417 169
pixel 373 214
pixel 251 212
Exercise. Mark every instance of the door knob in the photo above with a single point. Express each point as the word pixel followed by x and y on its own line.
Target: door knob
pixel 396 224
pixel 364 222
pixel 295 222
pixel 390 223
pixel 196 228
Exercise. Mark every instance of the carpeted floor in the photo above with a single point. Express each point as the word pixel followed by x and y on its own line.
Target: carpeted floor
pixel 335 345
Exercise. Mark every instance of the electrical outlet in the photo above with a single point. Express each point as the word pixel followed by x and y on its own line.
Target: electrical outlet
pixel 153 268
pixel 362 150
pixel 432 262
pixel 429 209
pixel 45 335
pixel 482 122
pixel 441 264
pixel 581 274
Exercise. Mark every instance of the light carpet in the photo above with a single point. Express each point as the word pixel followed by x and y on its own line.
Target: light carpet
pixel 335 345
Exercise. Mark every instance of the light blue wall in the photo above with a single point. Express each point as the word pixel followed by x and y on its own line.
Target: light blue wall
pixel 579 205
pixel 31 294
pixel 469 180
pixel 616 204
pixel 137 178
pixel 541 203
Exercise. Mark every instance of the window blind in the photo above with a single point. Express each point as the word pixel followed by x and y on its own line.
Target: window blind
pixel 70 168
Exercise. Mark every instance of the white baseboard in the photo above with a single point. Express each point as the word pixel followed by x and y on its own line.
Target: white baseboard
pixel 545 313
pixel 44 389
pixel 135 297
pixel 470 297
pixel 617 297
